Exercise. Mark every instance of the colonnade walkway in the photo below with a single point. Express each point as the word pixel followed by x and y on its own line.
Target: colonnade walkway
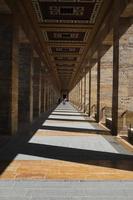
pixel 66 156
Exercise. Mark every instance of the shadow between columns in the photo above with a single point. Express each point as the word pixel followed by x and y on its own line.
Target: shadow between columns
pixel 10 149
pixel 81 130
pixel 98 158
pixel 71 120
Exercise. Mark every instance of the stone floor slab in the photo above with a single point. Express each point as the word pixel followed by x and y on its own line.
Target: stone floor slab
pixel 77 190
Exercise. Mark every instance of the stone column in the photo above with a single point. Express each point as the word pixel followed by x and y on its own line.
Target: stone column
pixel 106 63
pixel 52 96
pixel 36 87
pixel 46 94
pixel 93 90
pixel 98 92
pixel 42 92
pixel 25 107
pixel 49 96
pixel 83 97
pixel 79 94
pixel 85 93
pixel 81 89
pixel 40 88
pixel 8 75
pixel 89 92
pixel 115 78
pixel 50 93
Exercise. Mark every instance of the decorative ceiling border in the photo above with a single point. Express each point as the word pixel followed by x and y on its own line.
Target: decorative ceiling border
pixel 92 20
pixel 86 36
pixel 81 49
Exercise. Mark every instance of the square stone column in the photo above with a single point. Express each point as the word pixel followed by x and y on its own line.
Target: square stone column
pixel 78 94
pixel 42 92
pixel 83 97
pixel 45 87
pixel 85 92
pixel 8 75
pixel 25 84
pixel 98 91
pixel 93 105
pixel 106 63
pixel 115 79
pixel 89 92
pixel 46 94
pixel 36 87
pixel 50 96
pixel 81 91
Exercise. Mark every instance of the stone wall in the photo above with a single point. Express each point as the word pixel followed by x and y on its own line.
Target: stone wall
pixel 126 78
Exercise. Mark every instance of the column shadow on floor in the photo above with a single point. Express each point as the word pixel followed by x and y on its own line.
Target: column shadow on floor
pixel 9 151
pixel 69 111
pixel 81 130
pixel 90 157
pixel 70 115
pixel 71 120
pixel 21 145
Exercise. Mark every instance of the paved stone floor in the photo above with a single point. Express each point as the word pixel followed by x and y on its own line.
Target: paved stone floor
pixel 69 156
pixel 58 190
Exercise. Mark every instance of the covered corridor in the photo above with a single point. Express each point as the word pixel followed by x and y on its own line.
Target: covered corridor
pixel 66 99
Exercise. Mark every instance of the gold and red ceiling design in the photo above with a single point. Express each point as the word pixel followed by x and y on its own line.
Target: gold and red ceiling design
pixel 65 58
pixel 65 36
pixel 65 49
pixel 67 11
pixel 66 26
pixel 65 65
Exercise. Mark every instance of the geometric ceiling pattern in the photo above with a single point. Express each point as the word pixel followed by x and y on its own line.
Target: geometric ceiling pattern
pixel 66 26
pixel 60 58
pixel 65 50
pixel 67 11
pixel 65 36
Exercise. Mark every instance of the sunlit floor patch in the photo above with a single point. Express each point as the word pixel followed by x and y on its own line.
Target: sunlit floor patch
pixel 62 117
pixel 68 113
pixel 92 143
pixel 43 132
pixel 62 170
pixel 76 125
